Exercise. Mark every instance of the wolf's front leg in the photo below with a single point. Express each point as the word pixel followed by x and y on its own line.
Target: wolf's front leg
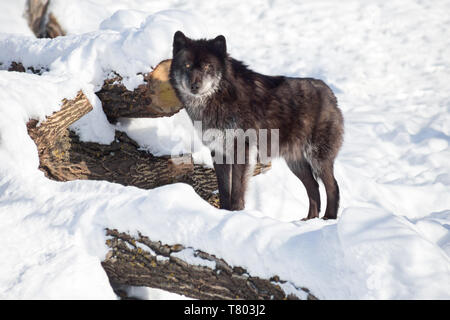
pixel 223 173
pixel 238 186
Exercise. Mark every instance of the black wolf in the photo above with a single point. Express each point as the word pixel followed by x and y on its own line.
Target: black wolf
pixel 223 93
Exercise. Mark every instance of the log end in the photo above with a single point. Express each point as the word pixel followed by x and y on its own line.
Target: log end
pixel 155 98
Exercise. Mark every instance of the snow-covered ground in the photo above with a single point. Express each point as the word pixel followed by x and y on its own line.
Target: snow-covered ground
pixel 12 19
pixel 388 65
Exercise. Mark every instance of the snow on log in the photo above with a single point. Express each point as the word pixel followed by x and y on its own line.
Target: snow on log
pixel 63 157
pixel 139 261
pixel 154 98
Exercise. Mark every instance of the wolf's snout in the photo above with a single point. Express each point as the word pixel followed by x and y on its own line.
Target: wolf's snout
pixel 195 86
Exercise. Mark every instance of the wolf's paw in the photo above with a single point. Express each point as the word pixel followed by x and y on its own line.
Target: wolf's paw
pixel 237 206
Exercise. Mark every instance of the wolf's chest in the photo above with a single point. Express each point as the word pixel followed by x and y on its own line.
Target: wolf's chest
pixel 211 116
pixel 214 128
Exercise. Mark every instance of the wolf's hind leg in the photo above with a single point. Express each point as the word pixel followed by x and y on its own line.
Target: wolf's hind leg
pixel 326 174
pixel 223 173
pixel 303 171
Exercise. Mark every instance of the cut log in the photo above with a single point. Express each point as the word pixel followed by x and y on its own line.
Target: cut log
pixel 154 98
pixel 47 135
pixel 63 157
pixel 139 261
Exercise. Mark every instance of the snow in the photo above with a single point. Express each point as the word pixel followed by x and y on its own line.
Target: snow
pixel 188 255
pixel 12 17
pixel 387 63
pixel 87 15
pixel 376 243
pixel 144 293
pixel 166 136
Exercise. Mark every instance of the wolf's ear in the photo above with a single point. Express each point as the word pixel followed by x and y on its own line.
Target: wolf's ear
pixel 179 42
pixel 220 44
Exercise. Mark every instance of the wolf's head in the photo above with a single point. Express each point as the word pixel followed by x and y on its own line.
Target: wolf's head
pixel 197 65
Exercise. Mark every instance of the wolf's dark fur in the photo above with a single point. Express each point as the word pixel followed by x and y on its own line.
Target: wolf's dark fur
pixel 223 93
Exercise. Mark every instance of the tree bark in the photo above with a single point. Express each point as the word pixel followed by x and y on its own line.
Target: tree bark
pixel 63 157
pixel 154 98
pixel 42 22
pixel 139 261
pixel 19 67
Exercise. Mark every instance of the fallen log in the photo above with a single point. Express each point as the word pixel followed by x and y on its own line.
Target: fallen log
pixel 154 98
pixel 63 157
pixel 139 261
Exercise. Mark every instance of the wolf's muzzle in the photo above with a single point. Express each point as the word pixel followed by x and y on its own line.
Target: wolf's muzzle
pixel 195 86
